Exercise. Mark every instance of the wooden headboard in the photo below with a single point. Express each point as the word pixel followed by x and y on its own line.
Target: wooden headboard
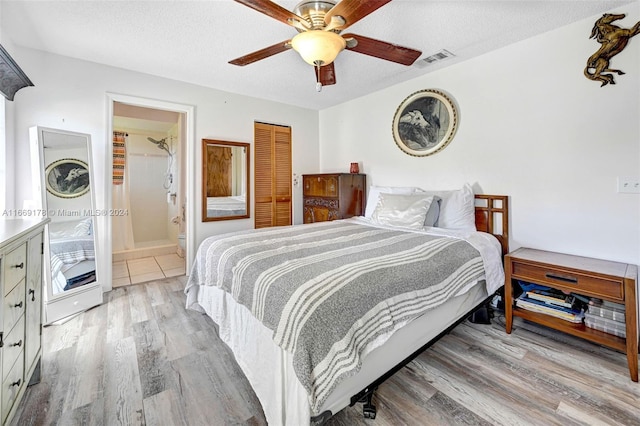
pixel 492 216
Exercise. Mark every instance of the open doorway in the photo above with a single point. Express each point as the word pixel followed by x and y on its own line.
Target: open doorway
pixel 152 170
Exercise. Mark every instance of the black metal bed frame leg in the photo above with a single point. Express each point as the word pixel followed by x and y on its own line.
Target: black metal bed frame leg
pixel 368 409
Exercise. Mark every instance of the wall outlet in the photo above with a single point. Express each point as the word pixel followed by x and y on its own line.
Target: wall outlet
pixel 629 185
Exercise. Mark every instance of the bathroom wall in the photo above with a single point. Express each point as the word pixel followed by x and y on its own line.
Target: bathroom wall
pixel 148 198
pixel 173 206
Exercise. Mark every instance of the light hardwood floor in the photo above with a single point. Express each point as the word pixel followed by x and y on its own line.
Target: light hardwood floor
pixel 142 358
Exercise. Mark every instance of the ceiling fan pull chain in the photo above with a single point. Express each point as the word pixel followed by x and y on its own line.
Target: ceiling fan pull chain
pixel 318 83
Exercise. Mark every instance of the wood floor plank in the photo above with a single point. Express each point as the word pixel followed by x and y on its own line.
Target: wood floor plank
pixel 122 395
pixel 494 340
pixel 201 396
pixel 156 293
pixel 582 416
pixel 138 304
pixel 63 337
pixel 85 382
pixel 89 415
pixel 118 314
pixel 156 374
pixel 164 408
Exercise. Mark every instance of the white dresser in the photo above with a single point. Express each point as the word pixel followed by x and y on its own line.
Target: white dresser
pixel 21 310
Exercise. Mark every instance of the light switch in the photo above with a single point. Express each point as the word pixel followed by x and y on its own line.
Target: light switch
pixel 630 185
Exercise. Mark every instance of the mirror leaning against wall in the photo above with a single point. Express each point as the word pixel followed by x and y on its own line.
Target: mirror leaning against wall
pixel 64 180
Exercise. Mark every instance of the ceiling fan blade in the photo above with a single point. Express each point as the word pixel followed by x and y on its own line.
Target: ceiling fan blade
pixel 327 75
pixel 261 54
pixel 353 10
pixel 272 9
pixel 383 50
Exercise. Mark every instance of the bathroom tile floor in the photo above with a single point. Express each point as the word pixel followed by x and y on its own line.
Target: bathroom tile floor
pixel 145 269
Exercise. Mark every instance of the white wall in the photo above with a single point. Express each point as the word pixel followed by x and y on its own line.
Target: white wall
pixel 7 191
pixel 531 127
pixel 72 95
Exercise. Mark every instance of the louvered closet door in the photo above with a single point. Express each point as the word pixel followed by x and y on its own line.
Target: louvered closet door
pixel 272 152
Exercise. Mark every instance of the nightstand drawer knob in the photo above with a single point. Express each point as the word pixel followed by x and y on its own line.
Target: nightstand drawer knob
pixel 561 278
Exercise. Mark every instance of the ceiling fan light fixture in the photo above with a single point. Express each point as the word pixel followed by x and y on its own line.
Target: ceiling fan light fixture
pixel 318 47
pixel 314 11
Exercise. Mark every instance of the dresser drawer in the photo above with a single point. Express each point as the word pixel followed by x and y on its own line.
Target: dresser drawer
pixel 13 347
pixel 581 283
pixel 320 185
pixel 15 266
pixel 327 203
pixel 11 387
pixel 13 306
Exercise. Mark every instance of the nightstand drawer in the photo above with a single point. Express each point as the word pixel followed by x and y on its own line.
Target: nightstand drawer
pixel 582 283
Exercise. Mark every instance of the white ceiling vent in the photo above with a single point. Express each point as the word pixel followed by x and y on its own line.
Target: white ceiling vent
pixel 436 57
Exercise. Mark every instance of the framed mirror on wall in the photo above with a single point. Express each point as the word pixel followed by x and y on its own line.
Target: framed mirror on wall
pixel 64 180
pixel 225 180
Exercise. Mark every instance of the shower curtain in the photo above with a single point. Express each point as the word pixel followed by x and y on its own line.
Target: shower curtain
pixel 121 227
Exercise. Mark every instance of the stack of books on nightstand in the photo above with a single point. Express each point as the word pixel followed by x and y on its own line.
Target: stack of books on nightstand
pixel 606 316
pixel 549 301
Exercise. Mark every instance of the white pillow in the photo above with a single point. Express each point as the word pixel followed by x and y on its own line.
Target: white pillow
pixel 403 210
pixel 457 208
pixel 70 228
pixel 374 191
pixel 83 228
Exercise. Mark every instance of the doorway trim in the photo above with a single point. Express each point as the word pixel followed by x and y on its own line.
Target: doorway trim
pixel 188 110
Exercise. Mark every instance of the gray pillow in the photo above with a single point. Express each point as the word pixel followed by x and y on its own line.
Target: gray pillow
pixel 431 219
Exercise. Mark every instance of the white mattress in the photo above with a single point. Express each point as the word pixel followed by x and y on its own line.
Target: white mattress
pixel 269 369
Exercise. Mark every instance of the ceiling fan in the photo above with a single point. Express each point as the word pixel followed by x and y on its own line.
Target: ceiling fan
pixel 319 23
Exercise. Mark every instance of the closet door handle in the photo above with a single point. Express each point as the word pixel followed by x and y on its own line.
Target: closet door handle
pixel 32 292
pixel 16 383
pixel 18 305
pixel 17 344
pixel 19 266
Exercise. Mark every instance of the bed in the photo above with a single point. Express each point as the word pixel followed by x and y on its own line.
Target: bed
pixel 72 250
pixel 226 206
pixel 328 311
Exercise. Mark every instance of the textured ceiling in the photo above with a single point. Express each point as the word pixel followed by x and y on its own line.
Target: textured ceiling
pixel 192 41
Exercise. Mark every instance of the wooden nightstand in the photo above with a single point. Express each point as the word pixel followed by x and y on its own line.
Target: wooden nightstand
pixel 596 278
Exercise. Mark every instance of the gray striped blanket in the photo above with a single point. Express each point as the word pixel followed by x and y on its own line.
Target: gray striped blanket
pixel 328 290
pixel 66 252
